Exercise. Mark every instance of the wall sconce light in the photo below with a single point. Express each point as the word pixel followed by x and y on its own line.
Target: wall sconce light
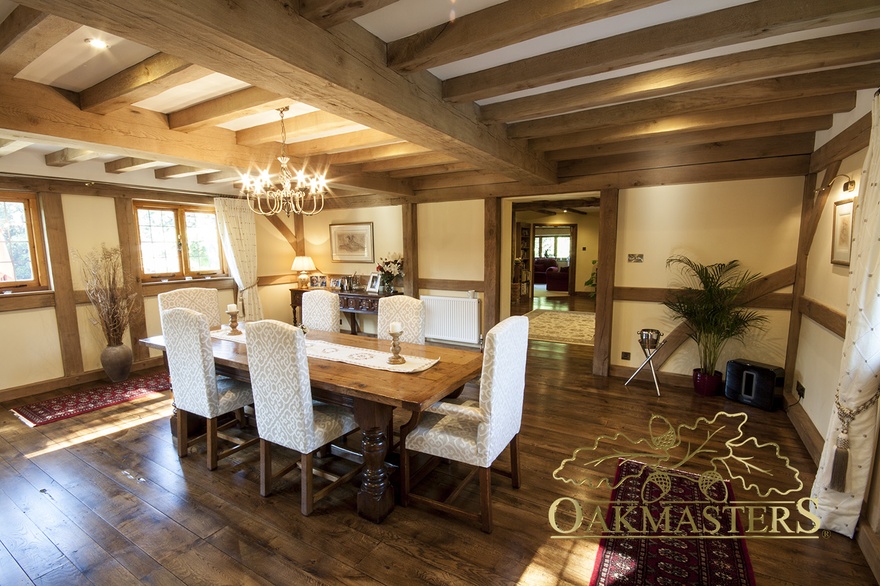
pixel 850 184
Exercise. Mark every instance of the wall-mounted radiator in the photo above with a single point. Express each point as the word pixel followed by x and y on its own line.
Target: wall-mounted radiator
pixel 452 319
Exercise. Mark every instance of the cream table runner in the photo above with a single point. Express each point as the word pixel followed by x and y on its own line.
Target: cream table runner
pixel 349 354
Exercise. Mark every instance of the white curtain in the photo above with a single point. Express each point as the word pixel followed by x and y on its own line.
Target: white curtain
pixel 859 364
pixel 238 234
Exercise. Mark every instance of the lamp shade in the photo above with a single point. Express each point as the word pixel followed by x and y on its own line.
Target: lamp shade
pixel 303 263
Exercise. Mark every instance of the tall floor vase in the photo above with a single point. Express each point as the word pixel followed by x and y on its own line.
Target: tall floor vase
pixel 117 361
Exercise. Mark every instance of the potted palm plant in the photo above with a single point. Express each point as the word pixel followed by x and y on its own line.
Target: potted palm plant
pixel 709 303
pixel 114 302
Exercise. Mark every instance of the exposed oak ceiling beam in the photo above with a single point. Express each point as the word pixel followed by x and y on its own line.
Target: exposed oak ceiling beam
pixel 737 24
pixel 328 13
pixel 26 34
pixel 840 50
pixel 226 108
pixel 345 73
pixel 498 26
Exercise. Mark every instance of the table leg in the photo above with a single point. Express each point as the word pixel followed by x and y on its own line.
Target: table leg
pixel 376 496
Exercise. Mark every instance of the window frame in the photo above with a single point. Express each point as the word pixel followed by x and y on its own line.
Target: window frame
pixel 539 245
pixel 185 274
pixel 36 244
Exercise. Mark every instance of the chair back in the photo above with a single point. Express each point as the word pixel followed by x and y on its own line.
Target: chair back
pixel 200 299
pixel 190 361
pixel 279 370
pixel 409 311
pixel 502 385
pixel 320 311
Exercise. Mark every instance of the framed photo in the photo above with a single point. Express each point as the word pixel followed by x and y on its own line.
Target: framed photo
pixel 316 281
pixel 841 234
pixel 334 283
pixel 373 283
pixel 351 242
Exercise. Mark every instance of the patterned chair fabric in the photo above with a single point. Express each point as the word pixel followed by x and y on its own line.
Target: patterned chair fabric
pixel 197 388
pixel 408 311
pixel 200 299
pixel 320 311
pixel 476 433
pixel 286 414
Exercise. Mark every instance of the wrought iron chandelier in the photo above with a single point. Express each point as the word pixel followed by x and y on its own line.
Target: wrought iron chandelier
pixel 293 192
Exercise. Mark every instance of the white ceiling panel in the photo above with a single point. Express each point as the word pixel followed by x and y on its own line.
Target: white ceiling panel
pixel 188 94
pixel 72 64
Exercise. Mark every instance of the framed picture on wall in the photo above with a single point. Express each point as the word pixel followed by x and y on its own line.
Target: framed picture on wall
pixel 373 283
pixel 841 234
pixel 351 242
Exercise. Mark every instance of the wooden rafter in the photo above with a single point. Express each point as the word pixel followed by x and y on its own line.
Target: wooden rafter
pixel 28 33
pixel 328 13
pixel 737 24
pixel 226 108
pixel 298 128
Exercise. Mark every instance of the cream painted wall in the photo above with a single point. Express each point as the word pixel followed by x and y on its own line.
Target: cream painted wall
pixel 755 221
pixel 818 361
pixel 33 353
pixel 451 240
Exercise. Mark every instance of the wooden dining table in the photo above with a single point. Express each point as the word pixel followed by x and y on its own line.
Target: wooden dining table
pixel 373 393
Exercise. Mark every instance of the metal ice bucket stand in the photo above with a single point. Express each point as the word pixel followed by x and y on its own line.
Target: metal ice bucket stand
pixel 649 340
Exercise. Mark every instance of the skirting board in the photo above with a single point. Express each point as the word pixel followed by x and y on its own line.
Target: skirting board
pixel 867 538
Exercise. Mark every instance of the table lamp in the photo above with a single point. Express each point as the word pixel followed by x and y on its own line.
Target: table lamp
pixel 304 265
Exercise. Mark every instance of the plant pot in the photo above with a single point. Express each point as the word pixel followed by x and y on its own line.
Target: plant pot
pixel 707 385
pixel 117 361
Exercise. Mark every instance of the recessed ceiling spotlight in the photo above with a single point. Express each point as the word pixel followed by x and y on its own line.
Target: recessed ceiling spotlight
pixel 97 43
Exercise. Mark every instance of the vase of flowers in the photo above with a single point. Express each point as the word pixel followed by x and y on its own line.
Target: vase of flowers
pixel 390 268
pixel 114 300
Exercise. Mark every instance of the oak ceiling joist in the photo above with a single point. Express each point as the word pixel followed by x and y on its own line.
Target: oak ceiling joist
pixel 737 24
pixel 226 108
pixel 769 112
pixel 327 13
pixel 370 181
pixel 179 171
pixel 66 157
pixel 130 164
pixel 36 113
pixel 715 152
pixel 421 160
pixel 682 139
pixel 146 79
pixel 432 170
pixel 27 33
pixel 345 74
pixel 795 166
pixel 779 60
pixel 718 98
pixel 499 26
pixel 341 142
pixel 219 177
pixel 298 128
pixel 383 153
pixel 9 146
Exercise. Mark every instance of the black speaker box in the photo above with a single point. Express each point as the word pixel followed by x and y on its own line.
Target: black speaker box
pixel 753 383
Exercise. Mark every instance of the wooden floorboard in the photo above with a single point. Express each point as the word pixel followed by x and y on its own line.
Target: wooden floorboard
pixel 102 498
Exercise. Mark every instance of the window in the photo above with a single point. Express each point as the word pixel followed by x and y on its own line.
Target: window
pixel 178 241
pixel 22 261
pixel 558 247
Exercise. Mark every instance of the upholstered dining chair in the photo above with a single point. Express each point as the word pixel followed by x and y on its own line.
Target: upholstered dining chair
pixel 200 299
pixel 286 414
pixel 196 387
pixel 409 311
pixel 320 311
pixel 476 432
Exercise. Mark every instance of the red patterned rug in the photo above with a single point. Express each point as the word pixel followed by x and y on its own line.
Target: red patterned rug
pixel 43 412
pixel 693 558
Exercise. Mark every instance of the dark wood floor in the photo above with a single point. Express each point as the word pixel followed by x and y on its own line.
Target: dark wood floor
pixel 103 499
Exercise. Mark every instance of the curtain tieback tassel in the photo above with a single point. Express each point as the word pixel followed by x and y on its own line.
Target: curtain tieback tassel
pixel 840 463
